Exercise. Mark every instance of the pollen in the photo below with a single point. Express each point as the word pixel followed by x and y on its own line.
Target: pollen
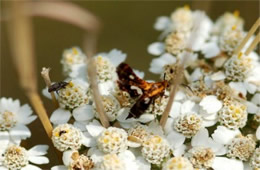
pixel 112 140
pixel 187 7
pixel 178 163
pixel 236 13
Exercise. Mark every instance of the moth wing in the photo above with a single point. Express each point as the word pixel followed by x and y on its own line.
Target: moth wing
pixel 140 106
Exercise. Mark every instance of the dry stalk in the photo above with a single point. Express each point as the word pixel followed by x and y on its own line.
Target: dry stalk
pixel 21 41
pixel 70 13
pixel 247 37
pixel 253 44
pixel 46 77
pixel 192 40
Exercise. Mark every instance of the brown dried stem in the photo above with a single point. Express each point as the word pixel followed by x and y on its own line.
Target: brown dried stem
pixel 253 44
pixel 46 76
pixel 21 41
pixel 75 15
pixel 70 13
pixel 192 39
pixel 247 37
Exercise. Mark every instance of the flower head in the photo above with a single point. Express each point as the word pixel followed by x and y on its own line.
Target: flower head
pixel 242 147
pixel 155 149
pixel 65 137
pixel 14 118
pixel 138 134
pixel 73 95
pixel 112 140
pixel 201 157
pixel 111 162
pixel 111 107
pixel 175 42
pixel 80 161
pixel 178 163
pixel 230 39
pixel 182 19
pixel 188 124
pixel 16 157
pixel 255 159
pixel 237 68
pixel 71 57
pixel 233 114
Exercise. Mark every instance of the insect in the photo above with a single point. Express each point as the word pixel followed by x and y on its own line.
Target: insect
pixel 137 87
pixel 62 132
pixel 57 86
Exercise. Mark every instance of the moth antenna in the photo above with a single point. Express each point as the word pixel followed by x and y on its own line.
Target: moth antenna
pixel 185 85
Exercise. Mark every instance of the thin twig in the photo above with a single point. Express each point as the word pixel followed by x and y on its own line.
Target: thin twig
pixel 192 40
pixel 89 45
pixel 81 18
pixel 21 42
pixel 253 44
pixel 247 37
pixel 46 77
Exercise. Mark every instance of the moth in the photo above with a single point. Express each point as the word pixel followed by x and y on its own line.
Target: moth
pixel 57 86
pixel 146 92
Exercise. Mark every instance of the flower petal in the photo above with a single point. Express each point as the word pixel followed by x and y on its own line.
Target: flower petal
pixel 66 157
pixel 179 151
pixel 175 139
pixel 143 164
pixel 19 132
pixel 221 163
pixel 210 49
pixel 38 150
pixel 201 138
pixel 60 116
pixel 116 57
pixel 88 140
pixel 95 128
pixel 258 133
pixel 31 167
pixel 175 110
pixel 211 104
pixel 238 87
pixel 39 159
pixel 218 76
pixel 224 135
pixel 162 23
pixel 156 48
pixel 83 113
pixel 59 167
pixel 145 118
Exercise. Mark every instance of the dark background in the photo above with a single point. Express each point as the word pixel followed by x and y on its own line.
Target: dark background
pixel 127 25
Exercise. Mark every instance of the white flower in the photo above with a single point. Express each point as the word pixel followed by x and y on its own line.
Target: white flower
pixel 73 160
pixel 222 163
pixel 203 31
pixel 17 157
pixel 224 135
pixel 14 118
pixel 205 150
pixel 210 49
pixel 123 161
pixel 228 20
pixel 157 64
pixel 209 107
pixel 71 59
pixel 162 23
pixel 81 114
pixel 105 63
pixel 156 48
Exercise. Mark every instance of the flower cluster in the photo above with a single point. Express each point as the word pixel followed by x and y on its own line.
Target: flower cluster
pixel 214 119
pixel 13 129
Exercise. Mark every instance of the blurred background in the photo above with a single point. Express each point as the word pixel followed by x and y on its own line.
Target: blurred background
pixel 127 26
